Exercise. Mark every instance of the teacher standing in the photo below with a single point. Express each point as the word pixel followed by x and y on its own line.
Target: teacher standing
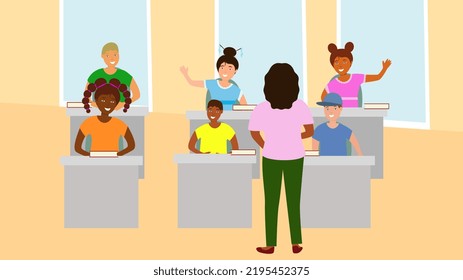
pixel 281 119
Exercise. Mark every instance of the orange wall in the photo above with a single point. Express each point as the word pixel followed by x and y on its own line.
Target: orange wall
pixel 30 53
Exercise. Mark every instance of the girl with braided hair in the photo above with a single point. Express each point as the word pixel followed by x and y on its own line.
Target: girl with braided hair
pixel 105 130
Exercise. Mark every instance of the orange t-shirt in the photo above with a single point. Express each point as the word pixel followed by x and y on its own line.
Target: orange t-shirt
pixel 105 136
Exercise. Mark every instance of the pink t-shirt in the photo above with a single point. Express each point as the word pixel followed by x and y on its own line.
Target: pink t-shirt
pixel 282 129
pixel 347 90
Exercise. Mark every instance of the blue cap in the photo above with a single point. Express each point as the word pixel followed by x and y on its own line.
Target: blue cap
pixel 331 99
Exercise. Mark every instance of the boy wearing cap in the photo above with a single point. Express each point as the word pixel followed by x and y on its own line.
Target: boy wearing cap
pixel 331 137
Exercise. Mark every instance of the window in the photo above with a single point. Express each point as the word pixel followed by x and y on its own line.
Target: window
pixel 397 30
pixel 86 26
pixel 267 32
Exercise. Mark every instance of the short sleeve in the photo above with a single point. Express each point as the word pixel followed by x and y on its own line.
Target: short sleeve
pixel 199 132
pixel 257 120
pixel 347 132
pixel 304 113
pixel 86 126
pixel 359 78
pixel 229 132
pixel 210 83
pixel 317 135
pixel 122 127
pixel 95 75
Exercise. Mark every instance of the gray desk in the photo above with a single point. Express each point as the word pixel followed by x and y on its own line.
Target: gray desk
pixel 134 118
pixel 101 192
pixel 214 191
pixel 336 192
pixel 367 125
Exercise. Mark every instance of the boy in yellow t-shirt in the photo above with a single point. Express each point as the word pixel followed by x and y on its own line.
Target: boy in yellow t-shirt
pixel 213 135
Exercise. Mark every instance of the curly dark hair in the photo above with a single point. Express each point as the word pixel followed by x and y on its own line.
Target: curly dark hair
pixel 215 103
pixel 101 87
pixel 281 86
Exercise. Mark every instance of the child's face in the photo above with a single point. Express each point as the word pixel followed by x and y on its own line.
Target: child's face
pixel 106 103
pixel 226 71
pixel 214 113
pixel 332 113
pixel 111 58
pixel 341 65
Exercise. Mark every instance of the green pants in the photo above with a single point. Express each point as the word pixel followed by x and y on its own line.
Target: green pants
pixel 273 171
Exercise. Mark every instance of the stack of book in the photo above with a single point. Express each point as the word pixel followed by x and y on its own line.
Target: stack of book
pixel 243 107
pixel 376 106
pixel 243 152
pixel 312 153
pixel 101 154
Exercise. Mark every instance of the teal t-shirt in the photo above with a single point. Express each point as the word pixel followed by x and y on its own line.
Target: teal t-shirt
pixel 123 76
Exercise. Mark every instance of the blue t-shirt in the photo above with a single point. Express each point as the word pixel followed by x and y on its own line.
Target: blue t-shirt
pixel 228 96
pixel 332 140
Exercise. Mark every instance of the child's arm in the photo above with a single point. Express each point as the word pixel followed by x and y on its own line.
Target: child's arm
pixel 184 71
pixel 78 144
pixel 308 131
pixel 355 144
pixel 234 143
pixel 130 143
pixel 192 144
pixel 372 78
pixel 315 144
pixel 243 100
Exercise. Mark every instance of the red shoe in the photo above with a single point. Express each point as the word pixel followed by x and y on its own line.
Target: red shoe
pixel 297 249
pixel 265 251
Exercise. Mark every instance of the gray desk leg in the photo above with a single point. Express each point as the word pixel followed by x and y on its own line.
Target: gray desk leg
pixel 101 196
pixel 340 201
pixel 214 196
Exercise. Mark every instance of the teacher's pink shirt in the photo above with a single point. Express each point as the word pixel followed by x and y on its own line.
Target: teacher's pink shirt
pixel 282 129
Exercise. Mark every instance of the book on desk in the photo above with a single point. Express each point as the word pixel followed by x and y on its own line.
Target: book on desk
pixel 377 106
pixel 243 107
pixel 243 152
pixel 103 154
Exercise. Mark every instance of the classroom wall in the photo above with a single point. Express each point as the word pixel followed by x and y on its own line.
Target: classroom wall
pixel 185 36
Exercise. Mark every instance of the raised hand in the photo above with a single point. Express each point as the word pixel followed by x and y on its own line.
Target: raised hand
pixel 184 70
pixel 386 64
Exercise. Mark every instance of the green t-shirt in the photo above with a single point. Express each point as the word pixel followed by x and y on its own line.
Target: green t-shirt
pixel 124 77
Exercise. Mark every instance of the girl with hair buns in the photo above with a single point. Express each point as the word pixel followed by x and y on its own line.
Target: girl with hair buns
pixel 105 130
pixel 345 84
pixel 223 89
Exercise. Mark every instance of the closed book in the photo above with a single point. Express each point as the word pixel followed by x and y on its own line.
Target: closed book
pixel 243 152
pixel 74 105
pixel 103 154
pixel 381 106
pixel 312 153
pixel 243 107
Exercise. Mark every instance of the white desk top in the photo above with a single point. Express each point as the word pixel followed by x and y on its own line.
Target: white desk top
pixel 316 112
pixel 213 159
pixel 87 161
pixel 339 160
